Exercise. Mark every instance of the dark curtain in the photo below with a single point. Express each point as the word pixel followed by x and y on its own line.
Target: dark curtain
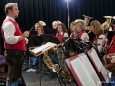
pixel 32 11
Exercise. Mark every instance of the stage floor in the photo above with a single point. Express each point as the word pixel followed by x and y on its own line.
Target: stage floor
pixel 33 79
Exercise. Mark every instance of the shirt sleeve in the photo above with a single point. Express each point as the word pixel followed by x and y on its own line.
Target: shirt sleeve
pixel 9 30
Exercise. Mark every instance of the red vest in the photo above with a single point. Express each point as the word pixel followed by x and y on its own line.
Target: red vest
pixel 74 36
pixel 112 48
pixel 21 45
pixel 80 34
pixel 60 37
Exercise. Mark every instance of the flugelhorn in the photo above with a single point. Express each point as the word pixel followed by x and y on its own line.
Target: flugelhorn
pixel 107 23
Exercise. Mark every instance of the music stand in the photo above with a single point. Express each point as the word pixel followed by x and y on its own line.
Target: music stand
pixel 41 50
pixel 82 70
pixel 98 65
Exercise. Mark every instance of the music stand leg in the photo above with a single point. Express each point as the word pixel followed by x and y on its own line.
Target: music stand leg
pixel 40 69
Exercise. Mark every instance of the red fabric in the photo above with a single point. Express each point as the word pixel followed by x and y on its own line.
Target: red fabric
pixel 19 45
pixel 80 34
pixel 95 40
pixel 112 48
pixel 60 37
pixel 74 36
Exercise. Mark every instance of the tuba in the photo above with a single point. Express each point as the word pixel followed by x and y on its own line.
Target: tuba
pixel 107 23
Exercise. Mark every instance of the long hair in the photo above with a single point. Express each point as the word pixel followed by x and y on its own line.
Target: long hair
pixel 97 27
pixel 63 27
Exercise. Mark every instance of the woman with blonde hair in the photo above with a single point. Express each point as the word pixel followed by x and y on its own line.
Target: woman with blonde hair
pixel 100 38
pixel 73 34
pixel 80 28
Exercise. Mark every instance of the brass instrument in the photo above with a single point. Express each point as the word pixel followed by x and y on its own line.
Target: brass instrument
pixel 62 69
pixel 87 19
pixel 43 49
pixel 47 60
pixel 107 23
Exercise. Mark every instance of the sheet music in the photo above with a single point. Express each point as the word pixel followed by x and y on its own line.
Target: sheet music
pixel 96 59
pixel 99 64
pixel 82 72
pixel 105 74
pixel 41 48
pixel 90 69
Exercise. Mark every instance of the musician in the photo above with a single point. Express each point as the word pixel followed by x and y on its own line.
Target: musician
pixel 112 32
pixel 61 32
pixel 14 44
pixel 40 30
pixel 100 40
pixel 80 28
pixel 38 40
pixel 74 33
pixel 54 24
pixel 110 58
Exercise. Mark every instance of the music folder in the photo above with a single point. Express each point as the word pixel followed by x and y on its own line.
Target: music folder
pixel 43 48
pixel 83 71
pixel 98 64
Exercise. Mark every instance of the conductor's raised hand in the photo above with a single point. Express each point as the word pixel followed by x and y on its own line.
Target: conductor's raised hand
pixel 26 34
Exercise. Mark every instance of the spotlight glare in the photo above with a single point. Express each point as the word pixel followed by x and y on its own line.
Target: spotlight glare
pixel 67 0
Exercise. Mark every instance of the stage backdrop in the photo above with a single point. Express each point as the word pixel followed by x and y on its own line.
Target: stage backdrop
pixel 49 10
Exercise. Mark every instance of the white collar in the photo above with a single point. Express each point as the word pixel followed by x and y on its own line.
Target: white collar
pixel 61 33
pixel 9 17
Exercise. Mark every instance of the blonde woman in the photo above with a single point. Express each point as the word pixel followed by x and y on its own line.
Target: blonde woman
pixel 74 33
pixel 80 28
pixel 100 38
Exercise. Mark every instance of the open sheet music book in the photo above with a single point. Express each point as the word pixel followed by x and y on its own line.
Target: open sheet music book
pixel 83 71
pixel 95 58
pixel 41 48
pixel 45 47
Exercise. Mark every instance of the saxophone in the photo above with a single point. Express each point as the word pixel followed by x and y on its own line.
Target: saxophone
pixel 62 69
pixel 47 60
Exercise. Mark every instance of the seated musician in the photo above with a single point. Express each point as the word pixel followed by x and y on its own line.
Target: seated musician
pixel 80 28
pixel 40 30
pixel 111 55
pixel 111 32
pixel 100 40
pixel 74 33
pixel 61 32
pixel 110 58
pixel 36 41
pixel 54 26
